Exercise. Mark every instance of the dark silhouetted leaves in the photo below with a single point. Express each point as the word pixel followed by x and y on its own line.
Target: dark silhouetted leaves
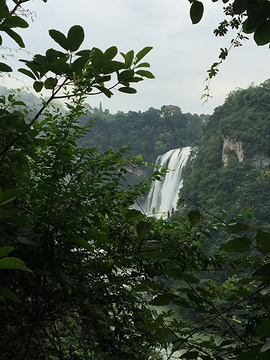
pixel 75 37
pixel 60 38
pixel 240 245
pixel 196 11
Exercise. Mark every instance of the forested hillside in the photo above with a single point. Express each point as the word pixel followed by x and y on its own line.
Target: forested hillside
pixel 231 168
pixel 148 133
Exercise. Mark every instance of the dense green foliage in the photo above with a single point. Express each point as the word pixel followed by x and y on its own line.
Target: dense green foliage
pixel 149 133
pixel 236 186
pixel 88 275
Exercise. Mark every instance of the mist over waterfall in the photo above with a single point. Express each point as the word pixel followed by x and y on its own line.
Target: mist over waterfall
pixel 163 195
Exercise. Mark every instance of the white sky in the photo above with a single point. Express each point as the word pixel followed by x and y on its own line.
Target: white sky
pixel 181 56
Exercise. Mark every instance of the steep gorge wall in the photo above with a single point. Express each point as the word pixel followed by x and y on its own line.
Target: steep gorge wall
pixel 232 147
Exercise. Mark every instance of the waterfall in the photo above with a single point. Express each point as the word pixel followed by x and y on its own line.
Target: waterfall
pixel 163 195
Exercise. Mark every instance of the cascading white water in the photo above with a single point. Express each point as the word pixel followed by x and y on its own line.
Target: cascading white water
pixel 163 195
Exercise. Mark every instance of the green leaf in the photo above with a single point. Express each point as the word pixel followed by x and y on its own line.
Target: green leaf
pixel 264 328
pixel 125 75
pixel 18 102
pixel 239 6
pixel 132 215
pixel 127 90
pixel 142 229
pixel 13 263
pixel 24 240
pixel 160 300
pixel 50 83
pixel 263 241
pixel 75 37
pixel 196 11
pixel 27 73
pixel 4 12
pixel 77 240
pixel 135 79
pixel 85 53
pixel 129 58
pixel 174 273
pixel 10 195
pixel 237 227
pixel 141 54
pixel 4 250
pixel 111 52
pixel 190 279
pixel 263 270
pixel 60 38
pixel 52 54
pixel 16 37
pixel 7 294
pixel 105 91
pixel 144 64
pixel 240 245
pixel 38 85
pixel 15 21
pixel 5 68
pixel 145 73
pixel 262 33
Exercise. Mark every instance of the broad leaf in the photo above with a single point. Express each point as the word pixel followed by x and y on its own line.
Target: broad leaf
pixel 262 34
pixel 263 271
pixel 144 64
pixel 38 85
pixel 7 294
pixel 132 214
pixel 129 58
pixel 13 263
pixel 60 38
pixel 105 91
pixel 141 54
pixel 190 279
pixel 111 52
pixel 142 229
pixel 10 195
pixel 4 250
pixel 196 11
pixel 127 90
pixel 145 73
pixel 125 75
pixel 16 37
pixel 75 37
pixel 15 21
pixel 50 83
pixel 263 241
pixel 77 240
pixel 240 245
pixel 27 72
pixel 5 68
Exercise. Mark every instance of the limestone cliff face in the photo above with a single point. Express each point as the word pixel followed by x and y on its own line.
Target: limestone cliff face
pixel 232 147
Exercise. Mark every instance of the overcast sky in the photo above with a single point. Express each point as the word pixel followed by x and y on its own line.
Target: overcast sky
pixel 181 53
